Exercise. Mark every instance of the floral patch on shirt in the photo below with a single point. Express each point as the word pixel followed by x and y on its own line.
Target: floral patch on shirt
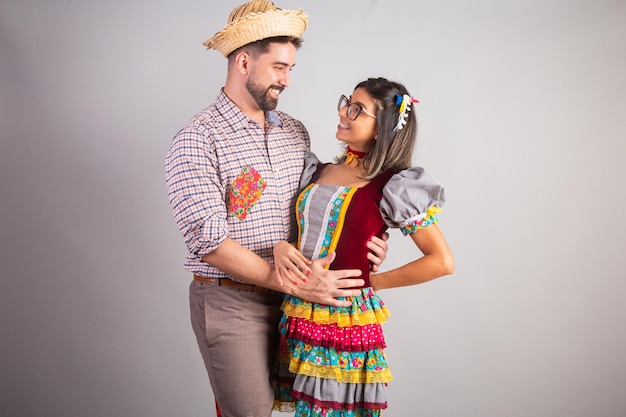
pixel 245 191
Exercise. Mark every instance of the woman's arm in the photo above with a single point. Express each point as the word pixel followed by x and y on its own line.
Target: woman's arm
pixel 436 262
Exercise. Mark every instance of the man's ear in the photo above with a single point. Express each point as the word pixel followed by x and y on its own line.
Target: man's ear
pixel 242 62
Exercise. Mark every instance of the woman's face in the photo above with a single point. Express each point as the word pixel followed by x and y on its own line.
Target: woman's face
pixel 360 132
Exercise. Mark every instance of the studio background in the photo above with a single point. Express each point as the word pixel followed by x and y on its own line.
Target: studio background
pixel 522 118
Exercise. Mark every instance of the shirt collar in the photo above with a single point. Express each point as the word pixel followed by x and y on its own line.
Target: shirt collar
pixel 273 117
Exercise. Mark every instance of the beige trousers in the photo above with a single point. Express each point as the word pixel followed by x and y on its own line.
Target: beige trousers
pixel 237 333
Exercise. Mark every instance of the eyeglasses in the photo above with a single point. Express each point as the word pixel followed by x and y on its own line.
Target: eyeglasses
pixel 354 109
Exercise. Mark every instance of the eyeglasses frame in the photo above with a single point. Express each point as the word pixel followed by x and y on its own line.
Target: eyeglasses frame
pixel 344 102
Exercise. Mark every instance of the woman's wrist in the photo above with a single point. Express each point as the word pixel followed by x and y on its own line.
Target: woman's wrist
pixel 375 281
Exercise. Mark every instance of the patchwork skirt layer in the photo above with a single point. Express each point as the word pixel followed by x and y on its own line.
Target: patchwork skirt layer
pixel 331 360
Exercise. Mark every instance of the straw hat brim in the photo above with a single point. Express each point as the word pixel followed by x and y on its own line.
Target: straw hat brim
pixel 256 26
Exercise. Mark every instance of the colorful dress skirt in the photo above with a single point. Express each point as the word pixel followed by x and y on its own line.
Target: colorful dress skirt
pixel 331 360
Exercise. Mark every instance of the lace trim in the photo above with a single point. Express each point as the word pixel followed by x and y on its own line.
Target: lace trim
pixel 341 319
pixel 421 221
pixel 367 308
pixel 300 205
pixel 355 376
pixel 284 406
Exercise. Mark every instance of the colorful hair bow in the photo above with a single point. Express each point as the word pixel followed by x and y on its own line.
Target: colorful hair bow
pixel 404 101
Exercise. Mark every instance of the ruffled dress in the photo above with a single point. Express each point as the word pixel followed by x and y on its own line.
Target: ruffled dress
pixel 331 360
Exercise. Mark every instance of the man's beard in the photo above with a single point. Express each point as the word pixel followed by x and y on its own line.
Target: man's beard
pixel 262 96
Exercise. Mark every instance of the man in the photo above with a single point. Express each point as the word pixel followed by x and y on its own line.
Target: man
pixel 233 174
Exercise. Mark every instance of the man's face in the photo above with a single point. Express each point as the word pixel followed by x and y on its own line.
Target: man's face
pixel 269 74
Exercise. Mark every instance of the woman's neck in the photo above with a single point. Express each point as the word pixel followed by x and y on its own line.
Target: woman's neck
pixel 353 156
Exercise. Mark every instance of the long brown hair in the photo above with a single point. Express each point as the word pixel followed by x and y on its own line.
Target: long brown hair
pixel 392 149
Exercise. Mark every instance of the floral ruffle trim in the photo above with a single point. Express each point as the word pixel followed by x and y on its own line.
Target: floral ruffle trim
pixel 367 308
pixel 421 221
pixel 306 409
pixel 347 367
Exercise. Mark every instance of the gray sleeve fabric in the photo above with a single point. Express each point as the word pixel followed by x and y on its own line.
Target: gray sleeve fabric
pixel 408 195
pixel 310 166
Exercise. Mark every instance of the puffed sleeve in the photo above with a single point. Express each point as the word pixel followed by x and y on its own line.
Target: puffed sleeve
pixel 411 200
pixel 310 167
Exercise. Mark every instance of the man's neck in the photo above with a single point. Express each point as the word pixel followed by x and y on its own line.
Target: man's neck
pixel 244 101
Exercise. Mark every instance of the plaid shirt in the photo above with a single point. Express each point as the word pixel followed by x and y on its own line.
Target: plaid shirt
pixel 227 177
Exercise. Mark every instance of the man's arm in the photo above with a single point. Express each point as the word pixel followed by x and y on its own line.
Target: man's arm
pixel 322 286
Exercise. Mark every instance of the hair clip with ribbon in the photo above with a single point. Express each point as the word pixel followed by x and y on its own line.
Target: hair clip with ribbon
pixel 404 101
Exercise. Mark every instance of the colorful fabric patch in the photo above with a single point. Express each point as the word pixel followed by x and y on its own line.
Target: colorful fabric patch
pixel 245 192
pixel 421 221
pixel 334 220
pixel 300 208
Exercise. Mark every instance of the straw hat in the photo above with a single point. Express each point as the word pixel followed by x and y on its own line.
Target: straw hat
pixel 256 20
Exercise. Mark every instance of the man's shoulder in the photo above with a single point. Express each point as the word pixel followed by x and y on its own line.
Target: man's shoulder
pixel 206 115
pixel 207 119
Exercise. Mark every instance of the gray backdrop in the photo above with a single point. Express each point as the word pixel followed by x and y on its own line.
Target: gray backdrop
pixel 522 117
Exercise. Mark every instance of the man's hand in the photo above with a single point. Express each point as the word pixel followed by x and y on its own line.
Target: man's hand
pixel 378 251
pixel 323 286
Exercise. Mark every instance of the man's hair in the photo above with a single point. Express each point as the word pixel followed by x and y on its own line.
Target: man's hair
pixel 258 48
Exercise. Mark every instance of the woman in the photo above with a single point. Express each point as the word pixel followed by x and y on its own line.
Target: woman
pixel 331 359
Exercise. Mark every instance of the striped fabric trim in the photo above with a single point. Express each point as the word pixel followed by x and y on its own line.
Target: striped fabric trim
pixel 343 201
pixel 332 218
